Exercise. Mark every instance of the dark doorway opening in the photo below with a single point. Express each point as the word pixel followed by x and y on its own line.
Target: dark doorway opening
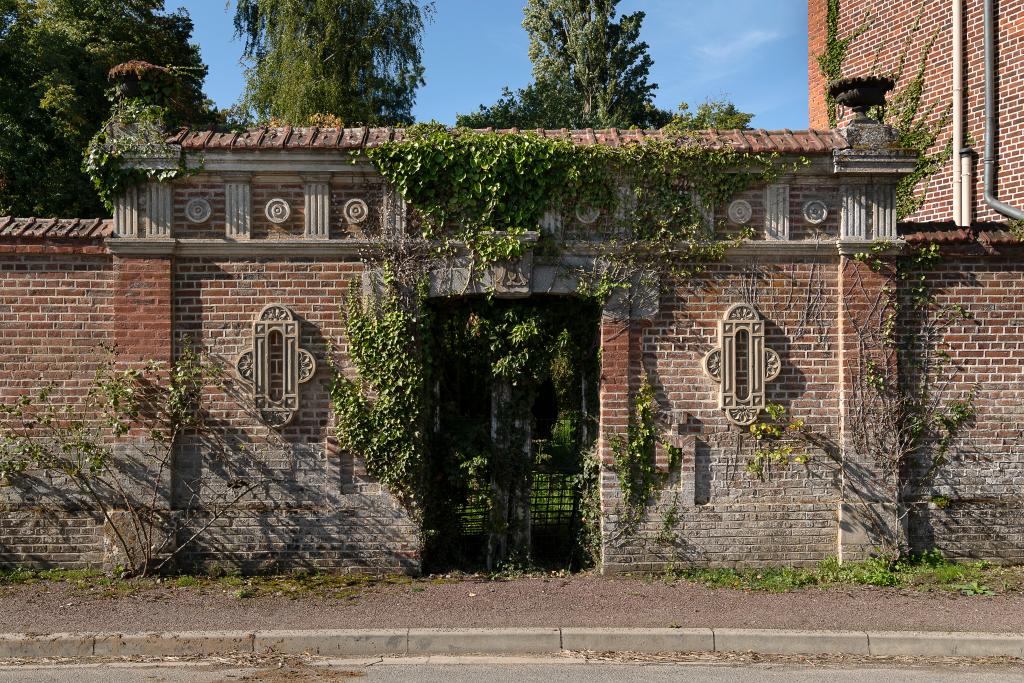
pixel 515 417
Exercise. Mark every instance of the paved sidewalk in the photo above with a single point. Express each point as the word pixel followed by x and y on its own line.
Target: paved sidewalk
pixel 531 615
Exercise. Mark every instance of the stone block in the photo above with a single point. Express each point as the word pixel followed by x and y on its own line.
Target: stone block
pixel 172 644
pixel 333 643
pixel 468 641
pixel 791 642
pixel 927 644
pixel 17 645
pixel 638 640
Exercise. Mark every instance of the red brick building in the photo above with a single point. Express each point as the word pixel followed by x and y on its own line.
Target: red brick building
pixel 884 32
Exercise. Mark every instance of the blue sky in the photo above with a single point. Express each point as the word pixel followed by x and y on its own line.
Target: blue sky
pixel 752 51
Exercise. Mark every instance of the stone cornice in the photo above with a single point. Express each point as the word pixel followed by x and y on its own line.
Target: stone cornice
pixel 853 247
pixel 273 249
pixel 351 249
pixel 873 162
pixel 267 161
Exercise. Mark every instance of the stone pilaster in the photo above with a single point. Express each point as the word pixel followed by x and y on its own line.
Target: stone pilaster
pixel 126 213
pixel 237 206
pixel 621 377
pixel 317 193
pixel 854 215
pixel 159 210
pixel 776 217
pixel 868 211
pixel 394 212
pixel 870 515
pixel 870 170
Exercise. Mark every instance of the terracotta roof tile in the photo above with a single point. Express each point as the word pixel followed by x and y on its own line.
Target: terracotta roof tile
pixel 754 141
pixel 985 234
pixel 55 228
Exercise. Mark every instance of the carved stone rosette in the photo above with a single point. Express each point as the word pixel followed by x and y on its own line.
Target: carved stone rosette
pixel 276 366
pixel 741 341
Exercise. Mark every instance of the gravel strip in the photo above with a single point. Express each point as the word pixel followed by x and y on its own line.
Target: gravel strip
pixel 583 600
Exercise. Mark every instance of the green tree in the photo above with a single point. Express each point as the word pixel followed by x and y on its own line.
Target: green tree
pixel 719 114
pixel 591 70
pixel 357 60
pixel 581 43
pixel 54 59
pixel 545 104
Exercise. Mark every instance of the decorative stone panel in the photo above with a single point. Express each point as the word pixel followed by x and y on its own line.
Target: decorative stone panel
pixel 394 212
pixel 707 213
pixel 741 353
pixel 355 211
pixel 276 366
pixel 198 210
pixel 883 212
pixel 278 210
pixel 815 211
pixel 855 212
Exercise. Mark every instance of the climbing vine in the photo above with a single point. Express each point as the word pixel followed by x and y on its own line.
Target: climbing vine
pixel 919 128
pixel 908 407
pixel 635 456
pixel 646 202
pixel 143 107
pixel 831 61
pixel 644 213
pixel 380 415
pixel 781 441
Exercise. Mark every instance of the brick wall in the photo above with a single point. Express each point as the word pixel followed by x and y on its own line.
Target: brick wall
pixel 285 497
pixel 56 309
pixel 314 506
pixel 878 50
pixel 723 514
pixel 817 34
pixel 984 478
pixel 311 504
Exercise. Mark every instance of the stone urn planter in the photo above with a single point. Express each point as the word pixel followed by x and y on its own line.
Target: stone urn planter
pixel 861 93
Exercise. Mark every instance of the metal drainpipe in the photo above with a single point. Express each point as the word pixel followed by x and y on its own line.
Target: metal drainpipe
pixel 992 117
pixel 958 108
pixel 966 187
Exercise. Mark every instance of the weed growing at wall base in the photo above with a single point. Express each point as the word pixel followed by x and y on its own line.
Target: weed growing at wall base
pixel 928 571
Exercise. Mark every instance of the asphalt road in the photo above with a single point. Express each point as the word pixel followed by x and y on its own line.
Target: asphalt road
pixel 510 671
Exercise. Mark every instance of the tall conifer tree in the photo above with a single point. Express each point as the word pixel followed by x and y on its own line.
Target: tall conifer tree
pixel 600 56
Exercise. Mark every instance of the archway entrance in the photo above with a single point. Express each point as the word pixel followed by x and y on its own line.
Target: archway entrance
pixel 515 418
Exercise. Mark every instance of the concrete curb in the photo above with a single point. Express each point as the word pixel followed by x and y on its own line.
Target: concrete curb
pixel 513 641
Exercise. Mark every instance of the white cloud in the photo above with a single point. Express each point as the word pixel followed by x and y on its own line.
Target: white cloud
pixel 731 51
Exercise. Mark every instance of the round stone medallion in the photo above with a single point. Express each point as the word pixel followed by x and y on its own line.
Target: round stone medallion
pixel 740 212
pixel 278 211
pixel 815 212
pixel 587 214
pixel 198 210
pixel 355 211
